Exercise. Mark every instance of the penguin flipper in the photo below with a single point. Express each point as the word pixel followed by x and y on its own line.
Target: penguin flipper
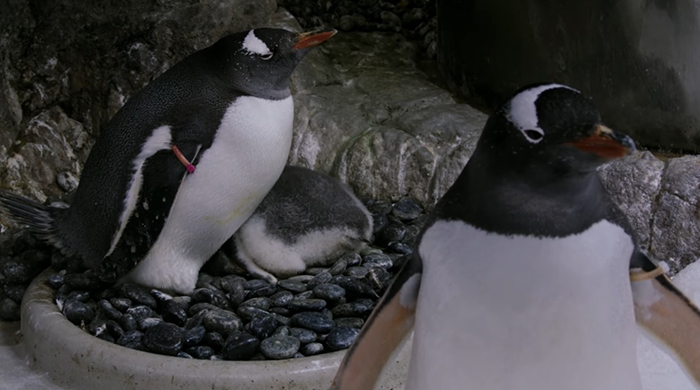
pixel 40 219
pixel 673 320
pixel 388 325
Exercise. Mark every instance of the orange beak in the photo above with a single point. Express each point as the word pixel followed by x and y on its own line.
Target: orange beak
pixel 605 143
pixel 313 38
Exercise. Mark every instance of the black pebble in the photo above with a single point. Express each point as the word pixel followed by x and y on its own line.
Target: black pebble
pixel 141 312
pixel 138 295
pixel 128 323
pixel 121 304
pixel 378 278
pixel 200 352
pixel 9 310
pixel 262 303
pixel 173 312
pixel 354 288
pixel 407 209
pixel 381 260
pixel 352 259
pixel 240 346
pixel 320 278
pixel 281 310
pixel 358 272
pixel 220 321
pixel 338 267
pixel 264 291
pixel 17 272
pixel 306 304
pixel 393 232
pixel 341 337
pixel 294 287
pixel 255 284
pixel 350 322
pixel 215 340
pixel 400 247
pixel 194 336
pixel 263 327
pixel 55 281
pixel 328 291
pixel 82 281
pixel 312 320
pixel 379 207
pixel 380 222
pixel 234 287
pixel 215 297
pixel 164 338
pixel 281 298
pixel 16 292
pixel 76 312
pixel 250 312
pixel 132 339
pixel 304 335
pixel 280 347
pixel 108 309
pixel 312 349
pixel 353 309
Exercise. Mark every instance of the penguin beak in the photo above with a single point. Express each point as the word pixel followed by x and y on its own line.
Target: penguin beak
pixel 313 38
pixel 606 143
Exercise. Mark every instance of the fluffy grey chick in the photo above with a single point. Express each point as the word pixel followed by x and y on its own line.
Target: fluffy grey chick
pixel 307 219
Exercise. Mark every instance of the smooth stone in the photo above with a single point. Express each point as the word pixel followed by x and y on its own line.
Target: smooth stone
pixel 263 327
pixel 215 297
pixel 341 338
pixel 302 296
pixel 312 349
pixel 312 320
pixel 235 291
pixel 77 312
pixel 173 312
pixel 109 310
pixel 354 288
pixel 407 209
pixel 264 291
pixel 221 321
pixel 281 311
pixel 358 272
pixel 381 260
pixel 147 323
pixel 250 312
pixel 393 232
pixel 197 307
pixel 350 322
pixel 240 346
pixel 128 322
pixel 412 232
pixel 138 295
pixel 353 309
pixel 164 338
pixel 295 287
pixel 215 340
pixel 200 352
pixel 262 303
pixel 315 270
pixel 379 207
pixel 379 223
pixel 197 319
pixel 400 247
pixel 55 281
pixel 141 312
pixel 82 296
pixel 114 329
pixel 300 278
pixel 16 292
pixel 82 281
pixel 230 283
pixel 281 298
pixel 280 347
pixel 282 330
pixel 161 296
pixel 306 304
pixel 352 259
pixel 184 355
pixel 16 272
pixel 338 267
pixel 304 335
pixel 378 278
pixel 328 291
pixel 9 310
pixel 121 304
pixel 194 336
pixel 130 337
pixel 255 284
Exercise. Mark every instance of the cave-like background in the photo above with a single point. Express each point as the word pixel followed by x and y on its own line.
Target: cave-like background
pixel 381 106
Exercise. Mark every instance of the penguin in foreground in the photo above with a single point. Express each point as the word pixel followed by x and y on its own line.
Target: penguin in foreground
pixel 182 164
pixel 527 276
pixel 307 219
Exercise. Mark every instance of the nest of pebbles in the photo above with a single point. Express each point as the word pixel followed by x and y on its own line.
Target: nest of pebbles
pixel 227 316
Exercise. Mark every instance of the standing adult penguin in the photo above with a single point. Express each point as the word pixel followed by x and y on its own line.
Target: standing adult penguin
pixel 225 110
pixel 521 278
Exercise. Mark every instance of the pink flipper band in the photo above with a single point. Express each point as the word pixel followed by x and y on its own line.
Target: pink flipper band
pixel 183 159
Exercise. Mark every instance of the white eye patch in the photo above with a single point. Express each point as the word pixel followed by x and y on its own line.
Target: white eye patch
pixel 522 111
pixel 254 45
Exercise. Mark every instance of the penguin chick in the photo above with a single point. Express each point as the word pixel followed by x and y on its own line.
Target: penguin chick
pixel 141 206
pixel 307 219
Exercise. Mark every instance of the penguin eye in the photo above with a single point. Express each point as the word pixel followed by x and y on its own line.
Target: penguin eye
pixel 267 56
pixel 533 135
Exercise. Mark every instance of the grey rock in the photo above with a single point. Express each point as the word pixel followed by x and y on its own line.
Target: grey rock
pixel 380 260
pixel 304 335
pixel 263 327
pixel 282 298
pixel 77 312
pixel 221 321
pixel 356 272
pixel 121 304
pixel 295 287
pixel 329 292
pixel 353 309
pixel 262 303
pixel 240 346
pixel 201 352
pixel 216 341
pixel 407 209
pixel 312 349
pixel 341 337
pixel 67 181
pixel 194 336
pixel 313 321
pixel 350 322
pixel 138 294
pixel 280 347
pixel 306 304
pixel 128 323
pixel 164 338
pixel 9 310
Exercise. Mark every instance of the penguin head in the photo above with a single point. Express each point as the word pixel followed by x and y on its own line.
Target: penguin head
pixel 555 125
pixel 260 62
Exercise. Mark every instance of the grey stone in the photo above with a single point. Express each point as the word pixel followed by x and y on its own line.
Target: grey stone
pixel 280 347
pixel 341 337
pixel 164 338
pixel 240 346
pixel 67 181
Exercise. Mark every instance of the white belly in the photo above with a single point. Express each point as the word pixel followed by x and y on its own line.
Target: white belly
pixel 522 313
pixel 232 177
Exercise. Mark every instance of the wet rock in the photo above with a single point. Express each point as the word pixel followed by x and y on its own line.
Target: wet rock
pixel 353 309
pixel 255 284
pixel 164 338
pixel 16 292
pixel 77 312
pixel 215 340
pixel 223 322
pixel 306 304
pixel 121 304
pixel 354 288
pixel 240 346
pixel 407 209
pixel 200 352
pixel 329 292
pixel 173 312
pixel 313 321
pixel 352 259
pixel 380 222
pixel 264 291
pixel 338 267
pixel 305 336
pixel 250 312
pixel 400 247
pixel 215 297
pixel 263 327
pixel 320 278
pixel 138 295
pixel 300 278
pixel 55 281
pixel 109 310
pixel 128 323
pixel 234 286
pixel 281 311
pixel 161 296
pixel 141 312
pixel 381 260
pixel 341 338
pixel 198 307
pixel 350 322
pixel 184 355
pixel 194 336
pixel 280 347
pixel 356 272
pixel 312 349
pixel 281 298
pixel 295 287
pixel 303 296
pixel 262 303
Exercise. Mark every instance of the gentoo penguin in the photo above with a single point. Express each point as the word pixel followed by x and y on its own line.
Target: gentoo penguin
pixel 183 163
pixel 526 275
pixel 307 219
